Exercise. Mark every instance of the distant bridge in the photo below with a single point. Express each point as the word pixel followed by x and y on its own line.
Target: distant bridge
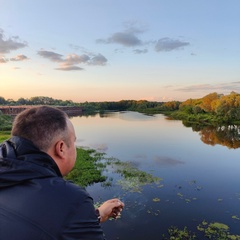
pixel 14 110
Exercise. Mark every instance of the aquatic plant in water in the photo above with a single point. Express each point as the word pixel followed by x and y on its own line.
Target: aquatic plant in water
pixel 213 230
pixel 90 165
pixel 178 234
pixel 133 179
pixel 235 217
pixel 216 230
pixel 88 168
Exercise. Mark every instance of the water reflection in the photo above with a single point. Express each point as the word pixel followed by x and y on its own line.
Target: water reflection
pixel 228 135
pixel 167 161
pixel 199 182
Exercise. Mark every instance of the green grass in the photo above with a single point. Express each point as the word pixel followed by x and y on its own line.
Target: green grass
pixel 4 135
pixel 5 122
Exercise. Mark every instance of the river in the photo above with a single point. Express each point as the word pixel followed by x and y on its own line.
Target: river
pixel 200 173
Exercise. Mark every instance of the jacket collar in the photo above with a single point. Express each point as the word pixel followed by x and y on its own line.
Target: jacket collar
pixel 20 160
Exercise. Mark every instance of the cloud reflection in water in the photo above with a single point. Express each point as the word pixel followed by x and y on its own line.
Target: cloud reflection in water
pixel 167 161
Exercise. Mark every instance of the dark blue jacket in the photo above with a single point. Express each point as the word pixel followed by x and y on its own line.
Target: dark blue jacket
pixel 36 202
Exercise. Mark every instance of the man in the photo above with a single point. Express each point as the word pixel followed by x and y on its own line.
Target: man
pixel 35 201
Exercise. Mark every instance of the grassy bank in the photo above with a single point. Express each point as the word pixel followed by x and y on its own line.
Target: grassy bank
pixel 203 119
pixel 4 135
pixel 5 122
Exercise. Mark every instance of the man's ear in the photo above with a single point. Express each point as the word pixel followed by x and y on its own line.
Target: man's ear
pixel 58 152
pixel 60 149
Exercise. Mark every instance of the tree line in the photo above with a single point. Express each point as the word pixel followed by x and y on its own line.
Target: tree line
pixel 212 108
pixel 39 100
pixel 123 105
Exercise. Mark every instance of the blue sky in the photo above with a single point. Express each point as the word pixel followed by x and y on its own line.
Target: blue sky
pixel 109 50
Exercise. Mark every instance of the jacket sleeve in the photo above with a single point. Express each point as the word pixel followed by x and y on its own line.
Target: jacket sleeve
pixel 83 223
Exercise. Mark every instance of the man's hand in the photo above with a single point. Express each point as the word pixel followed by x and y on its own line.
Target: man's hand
pixel 110 208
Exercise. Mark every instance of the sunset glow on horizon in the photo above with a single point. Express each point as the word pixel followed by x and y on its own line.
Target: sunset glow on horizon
pixel 119 50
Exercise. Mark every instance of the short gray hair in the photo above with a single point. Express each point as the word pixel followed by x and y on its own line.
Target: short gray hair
pixel 41 125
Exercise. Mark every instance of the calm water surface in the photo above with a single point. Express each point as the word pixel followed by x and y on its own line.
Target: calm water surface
pixel 199 181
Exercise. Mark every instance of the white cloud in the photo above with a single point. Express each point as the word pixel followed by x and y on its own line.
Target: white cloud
pixel 19 58
pixel 220 87
pixel 54 57
pixel 140 51
pixel 3 60
pixel 168 44
pixel 71 61
pixel 69 68
pixel 9 44
pixel 126 38
pixel 130 38
pixel 99 60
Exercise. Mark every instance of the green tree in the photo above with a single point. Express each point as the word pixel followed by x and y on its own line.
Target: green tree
pixel 22 101
pixel 2 101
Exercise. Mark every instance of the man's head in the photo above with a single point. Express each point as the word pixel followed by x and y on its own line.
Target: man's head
pixel 51 131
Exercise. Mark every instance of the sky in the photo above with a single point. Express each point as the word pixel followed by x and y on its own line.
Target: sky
pixel 112 50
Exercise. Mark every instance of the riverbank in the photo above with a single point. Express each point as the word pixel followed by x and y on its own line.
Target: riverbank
pixel 5 122
pixel 4 135
pixel 203 119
